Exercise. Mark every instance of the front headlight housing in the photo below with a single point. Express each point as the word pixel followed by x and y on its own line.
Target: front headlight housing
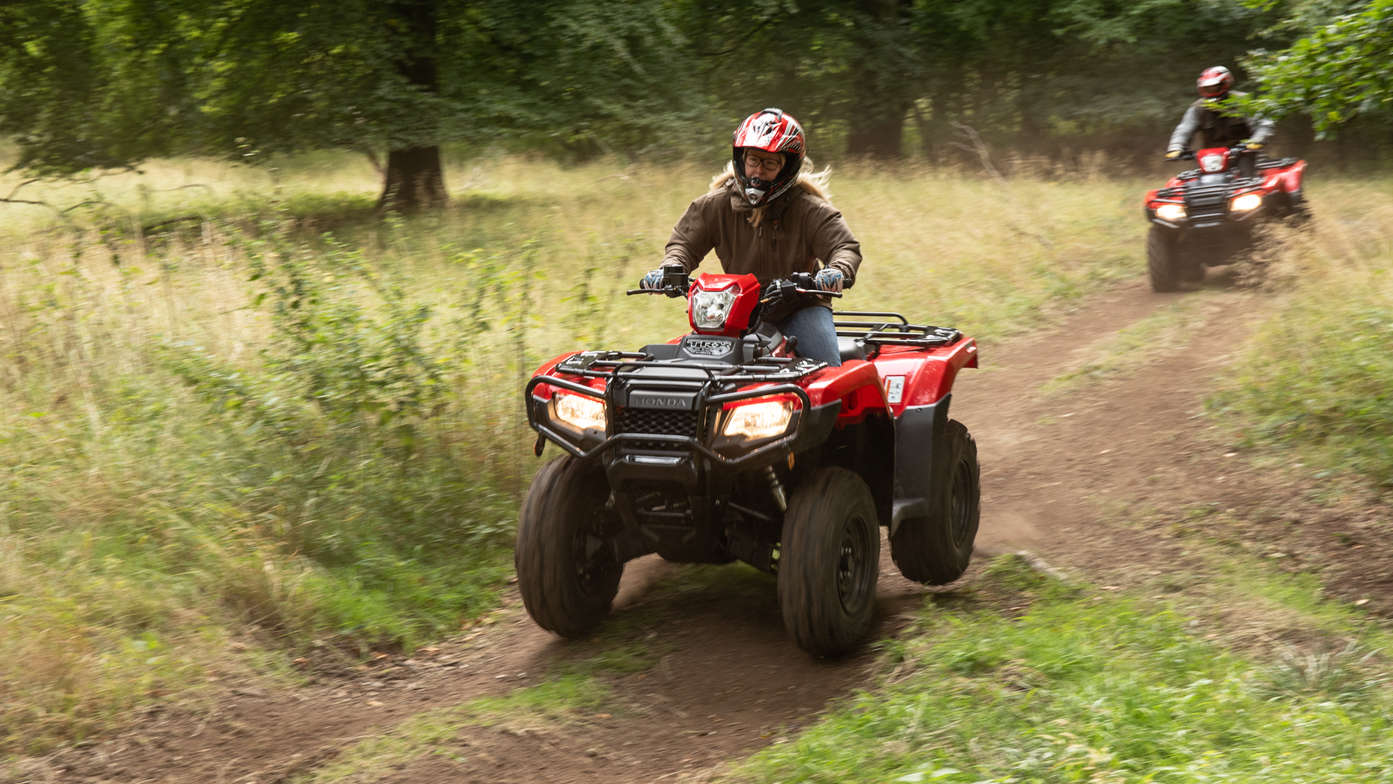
pixel 1246 203
pixel 762 419
pixel 578 412
pixel 711 308
pixel 1171 212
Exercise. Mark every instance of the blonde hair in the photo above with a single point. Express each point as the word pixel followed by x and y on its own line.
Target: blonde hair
pixel 810 180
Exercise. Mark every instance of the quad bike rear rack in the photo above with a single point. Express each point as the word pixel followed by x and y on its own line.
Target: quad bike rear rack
pixel 892 329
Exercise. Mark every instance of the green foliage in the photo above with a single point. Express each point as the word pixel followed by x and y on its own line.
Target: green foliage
pixel 1088 688
pixel 112 82
pixel 1340 69
pixel 1318 378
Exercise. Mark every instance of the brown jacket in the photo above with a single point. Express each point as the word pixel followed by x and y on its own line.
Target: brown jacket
pixel 798 230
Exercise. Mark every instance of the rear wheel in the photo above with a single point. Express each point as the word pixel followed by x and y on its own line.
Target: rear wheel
pixel 568 572
pixel 828 563
pixel 936 549
pixel 1163 260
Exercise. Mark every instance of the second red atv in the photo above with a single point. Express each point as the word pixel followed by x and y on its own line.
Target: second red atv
pixel 724 445
pixel 1204 217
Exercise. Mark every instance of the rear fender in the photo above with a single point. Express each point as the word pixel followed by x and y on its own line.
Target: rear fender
pixel 919 378
pixel 1292 178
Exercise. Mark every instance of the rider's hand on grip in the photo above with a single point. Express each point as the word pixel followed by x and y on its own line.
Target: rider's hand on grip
pixel 652 280
pixel 829 279
pixel 1253 145
pixel 1172 154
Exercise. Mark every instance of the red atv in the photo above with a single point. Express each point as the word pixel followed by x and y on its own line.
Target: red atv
pixel 724 445
pixel 1205 217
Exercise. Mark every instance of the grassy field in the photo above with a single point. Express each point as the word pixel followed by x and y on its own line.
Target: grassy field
pixel 245 421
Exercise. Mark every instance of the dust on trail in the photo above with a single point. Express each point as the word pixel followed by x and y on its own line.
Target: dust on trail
pixel 728 681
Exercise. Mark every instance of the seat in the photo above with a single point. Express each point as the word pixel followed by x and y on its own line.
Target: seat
pixel 851 347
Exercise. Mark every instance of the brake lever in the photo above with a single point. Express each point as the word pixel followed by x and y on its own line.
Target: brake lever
pixel 671 291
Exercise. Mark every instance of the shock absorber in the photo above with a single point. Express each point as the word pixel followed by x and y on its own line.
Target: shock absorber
pixel 776 487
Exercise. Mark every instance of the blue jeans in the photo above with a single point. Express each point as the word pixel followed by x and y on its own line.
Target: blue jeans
pixel 817 336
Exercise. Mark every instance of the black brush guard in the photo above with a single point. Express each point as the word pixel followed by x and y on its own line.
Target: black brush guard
pixel 707 387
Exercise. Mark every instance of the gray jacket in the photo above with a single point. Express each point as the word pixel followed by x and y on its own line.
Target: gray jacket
pixel 1217 130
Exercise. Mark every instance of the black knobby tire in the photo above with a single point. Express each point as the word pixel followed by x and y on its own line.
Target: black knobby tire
pixel 1163 260
pixel 567 571
pixel 829 560
pixel 936 549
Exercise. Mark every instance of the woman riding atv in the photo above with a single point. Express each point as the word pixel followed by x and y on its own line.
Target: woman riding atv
pixel 766 216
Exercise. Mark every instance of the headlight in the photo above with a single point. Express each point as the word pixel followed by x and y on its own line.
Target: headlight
pixel 710 308
pixel 759 420
pixel 578 411
pixel 1171 212
pixel 1212 163
pixel 1246 203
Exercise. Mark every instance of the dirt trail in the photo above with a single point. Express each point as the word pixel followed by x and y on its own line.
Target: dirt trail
pixel 728 680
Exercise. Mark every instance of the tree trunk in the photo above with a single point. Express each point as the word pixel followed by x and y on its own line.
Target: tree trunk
pixel 879 135
pixel 414 179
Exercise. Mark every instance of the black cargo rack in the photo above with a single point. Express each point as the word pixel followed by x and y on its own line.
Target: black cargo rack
pixel 891 329
pixel 613 364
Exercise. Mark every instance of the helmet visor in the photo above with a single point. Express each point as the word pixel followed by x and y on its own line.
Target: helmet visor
pixel 1212 89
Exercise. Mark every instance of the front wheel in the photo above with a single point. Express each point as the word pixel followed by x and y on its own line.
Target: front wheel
pixel 828 562
pixel 568 571
pixel 1163 260
pixel 935 549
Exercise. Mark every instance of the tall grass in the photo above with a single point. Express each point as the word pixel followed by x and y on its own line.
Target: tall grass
pixel 276 421
pixel 1315 381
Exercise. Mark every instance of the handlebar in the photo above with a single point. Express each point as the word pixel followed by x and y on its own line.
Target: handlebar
pixel 1189 155
pixel 677 282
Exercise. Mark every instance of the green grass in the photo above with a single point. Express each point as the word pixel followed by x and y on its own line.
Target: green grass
pixel 1090 688
pixel 1314 384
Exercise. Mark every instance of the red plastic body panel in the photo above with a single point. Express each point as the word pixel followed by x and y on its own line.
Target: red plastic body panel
pixel 738 321
pixel 545 391
pixel 1287 180
pixel 855 383
pixel 922 376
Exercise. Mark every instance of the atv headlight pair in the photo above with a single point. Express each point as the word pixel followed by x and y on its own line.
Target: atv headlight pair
pixel 579 412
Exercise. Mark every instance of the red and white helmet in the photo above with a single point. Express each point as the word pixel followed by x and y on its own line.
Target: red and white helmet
pixel 769 130
pixel 1214 82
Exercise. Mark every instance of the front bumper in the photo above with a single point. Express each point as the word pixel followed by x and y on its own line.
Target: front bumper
pixel 672 443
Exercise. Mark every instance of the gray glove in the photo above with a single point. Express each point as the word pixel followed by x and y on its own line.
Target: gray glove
pixel 652 280
pixel 828 279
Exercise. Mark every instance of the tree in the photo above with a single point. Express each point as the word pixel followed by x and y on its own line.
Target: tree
pixel 1342 69
pixel 101 83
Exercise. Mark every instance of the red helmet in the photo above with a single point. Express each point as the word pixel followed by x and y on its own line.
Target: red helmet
pixel 769 130
pixel 1214 82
